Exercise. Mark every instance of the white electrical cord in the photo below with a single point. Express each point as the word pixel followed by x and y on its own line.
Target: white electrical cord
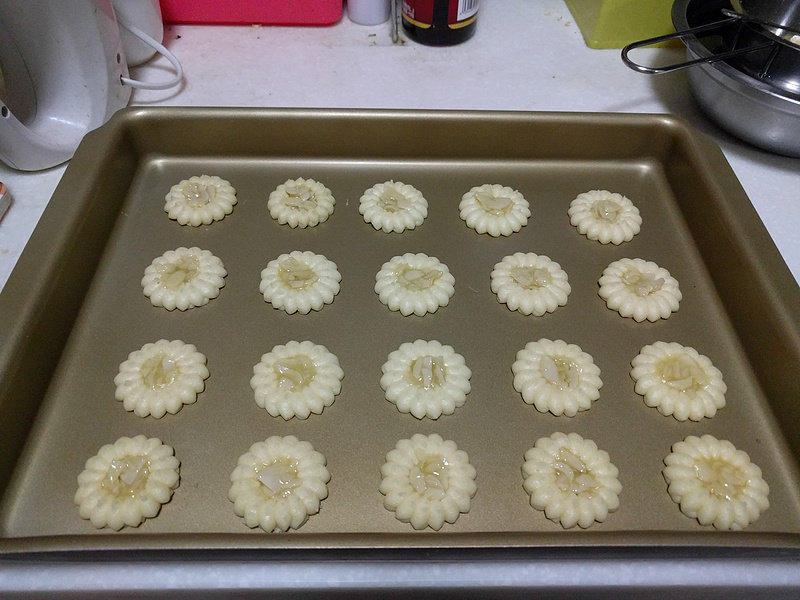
pixel 144 85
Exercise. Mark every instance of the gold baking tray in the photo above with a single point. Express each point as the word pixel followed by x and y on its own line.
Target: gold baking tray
pixel 73 309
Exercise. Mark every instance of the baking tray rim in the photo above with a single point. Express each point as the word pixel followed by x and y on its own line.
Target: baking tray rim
pixel 116 131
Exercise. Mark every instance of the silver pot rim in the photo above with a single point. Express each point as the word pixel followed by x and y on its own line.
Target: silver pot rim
pixel 752 110
pixel 697 49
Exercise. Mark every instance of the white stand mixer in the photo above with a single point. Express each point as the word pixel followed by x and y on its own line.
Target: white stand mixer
pixel 63 72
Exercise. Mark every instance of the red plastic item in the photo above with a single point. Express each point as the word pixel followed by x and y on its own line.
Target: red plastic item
pixel 251 12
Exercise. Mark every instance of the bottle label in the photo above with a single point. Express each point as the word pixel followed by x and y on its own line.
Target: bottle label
pixel 466 9
pixel 421 12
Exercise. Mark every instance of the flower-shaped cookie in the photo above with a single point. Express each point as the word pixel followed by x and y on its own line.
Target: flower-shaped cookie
pixel 301 203
pixel 279 483
pixel 300 282
pixel 557 377
pixel 127 482
pixel 530 283
pixel 426 379
pixel 494 209
pixel 200 200
pixel 160 378
pixel 715 483
pixel 296 379
pixel 639 289
pixel 183 278
pixel 571 480
pixel 414 284
pixel 393 206
pixel 427 481
pixel 678 381
pixel 605 216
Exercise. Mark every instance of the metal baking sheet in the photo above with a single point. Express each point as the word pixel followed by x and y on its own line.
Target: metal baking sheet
pixel 73 309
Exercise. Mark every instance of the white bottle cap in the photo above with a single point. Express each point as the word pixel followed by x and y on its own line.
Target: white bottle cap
pixel 368 12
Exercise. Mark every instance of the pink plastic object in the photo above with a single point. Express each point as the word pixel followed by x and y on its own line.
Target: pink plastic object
pixel 251 12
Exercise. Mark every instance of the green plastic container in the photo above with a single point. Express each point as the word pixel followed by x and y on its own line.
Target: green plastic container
pixel 617 23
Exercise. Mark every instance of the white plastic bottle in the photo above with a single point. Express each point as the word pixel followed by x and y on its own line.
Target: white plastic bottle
pixel 368 12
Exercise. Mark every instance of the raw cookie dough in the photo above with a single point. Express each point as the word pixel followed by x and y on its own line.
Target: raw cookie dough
pixel 678 381
pixel 160 378
pixel 414 283
pixel 427 481
pixel 127 482
pixel 296 379
pixel 279 483
pixel 715 483
pixel 426 379
pixel 393 206
pixel 530 283
pixel 571 480
pixel 200 200
pixel 639 289
pixel 494 209
pixel 183 278
pixel 301 203
pixel 605 216
pixel 300 282
pixel 556 377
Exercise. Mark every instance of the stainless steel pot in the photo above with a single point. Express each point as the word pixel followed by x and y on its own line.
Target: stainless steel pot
pixel 744 77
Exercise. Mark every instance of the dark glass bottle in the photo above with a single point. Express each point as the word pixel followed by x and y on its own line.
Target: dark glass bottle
pixel 440 22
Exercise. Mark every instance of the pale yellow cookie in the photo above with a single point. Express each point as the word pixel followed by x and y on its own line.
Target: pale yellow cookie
pixel 678 381
pixel 183 278
pixel 278 483
pixel 414 284
pixel 715 483
pixel 393 206
pixel 571 480
pixel 426 379
pixel 607 217
pixel 427 481
pixel 494 209
pixel 639 289
pixel 556 377
pixel 530 283
pixel 301 203
pixel 296 379
pixel 127 482
pixel 300 282
pixel 200 200
pixel 160 378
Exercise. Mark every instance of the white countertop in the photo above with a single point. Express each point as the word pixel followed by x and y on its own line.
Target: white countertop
pixel 524 56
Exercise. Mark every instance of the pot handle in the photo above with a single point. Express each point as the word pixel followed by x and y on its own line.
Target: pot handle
pixel 709 27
